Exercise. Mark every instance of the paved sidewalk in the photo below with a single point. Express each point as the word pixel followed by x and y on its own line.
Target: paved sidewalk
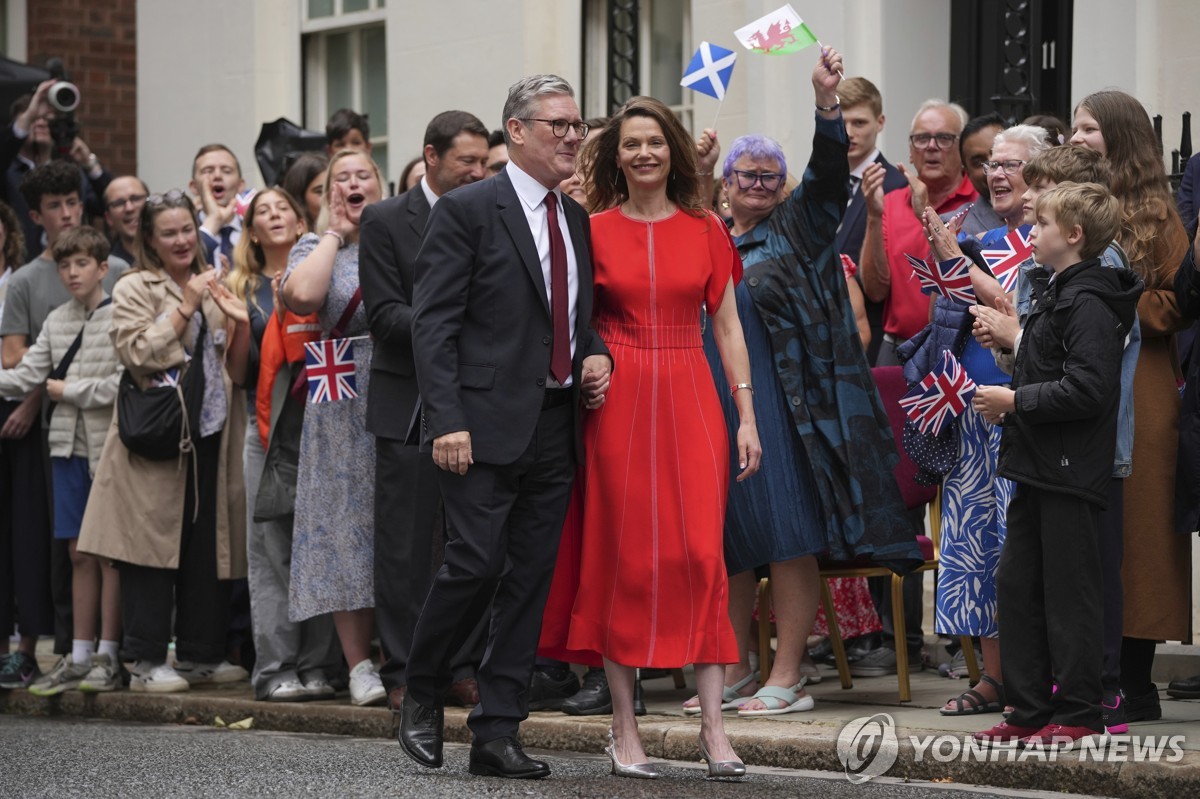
pixel 799 740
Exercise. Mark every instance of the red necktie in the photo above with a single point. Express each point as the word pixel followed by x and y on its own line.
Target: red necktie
pixel 560 349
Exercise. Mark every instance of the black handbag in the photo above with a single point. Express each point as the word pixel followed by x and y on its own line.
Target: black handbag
pixel 157 423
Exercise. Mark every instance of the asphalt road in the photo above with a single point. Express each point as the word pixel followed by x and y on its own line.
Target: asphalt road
pixel 73 757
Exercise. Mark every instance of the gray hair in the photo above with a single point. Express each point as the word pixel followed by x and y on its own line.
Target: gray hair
pixel 1035 138
pixel 937 105
pixel 523 93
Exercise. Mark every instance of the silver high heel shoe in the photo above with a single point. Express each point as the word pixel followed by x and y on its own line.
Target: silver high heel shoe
pixel 639 771
pixel 721 768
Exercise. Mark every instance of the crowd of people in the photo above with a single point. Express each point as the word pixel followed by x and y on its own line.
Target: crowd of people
pixel 456 445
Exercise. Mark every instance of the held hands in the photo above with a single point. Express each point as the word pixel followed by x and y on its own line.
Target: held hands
pixel 708 152
pixel 54 389
pixel 193 292
pixel 993 402
pixel 826 76
pixel 452 452
pixel 996 328
pixel 942 239
pixel 872 189
pixel 597 375
pixel 231 306
pixel 749 450
pixel 920 192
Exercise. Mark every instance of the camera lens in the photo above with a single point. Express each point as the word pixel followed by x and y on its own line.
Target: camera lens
pixel 64 97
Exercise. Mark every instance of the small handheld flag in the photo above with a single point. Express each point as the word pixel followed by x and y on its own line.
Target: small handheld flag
pixel 941 396
pixel 781 32
pixel 167 377
pixel 1006 256
pixel 329 364
pixel 949 278
pixel 709 70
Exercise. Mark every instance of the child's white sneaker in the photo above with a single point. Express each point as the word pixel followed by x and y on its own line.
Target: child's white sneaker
pixel 156 678
pixel 365 686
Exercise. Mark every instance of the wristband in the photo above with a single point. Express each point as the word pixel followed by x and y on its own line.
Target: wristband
pixel 338 236
pixel 738 387
pixel 186 317
pixel 837 103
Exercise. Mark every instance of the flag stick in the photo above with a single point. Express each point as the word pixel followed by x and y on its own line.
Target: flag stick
pixel 840 75
pixel 720 105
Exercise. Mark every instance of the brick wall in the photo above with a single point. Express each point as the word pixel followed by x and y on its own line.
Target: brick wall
pixel 97 40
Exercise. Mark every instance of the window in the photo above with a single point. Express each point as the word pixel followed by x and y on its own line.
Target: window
pixel 663 49
pixel 345 66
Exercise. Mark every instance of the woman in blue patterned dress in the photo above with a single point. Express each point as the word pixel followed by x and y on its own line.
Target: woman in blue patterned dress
pixel 333 538
pixel 974 498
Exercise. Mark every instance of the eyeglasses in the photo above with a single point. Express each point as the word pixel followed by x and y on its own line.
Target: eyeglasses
pixel 1010 167
pixel 770 180
pixel 943 141
pixel 559 126
pixel 133 199
pixel 172 198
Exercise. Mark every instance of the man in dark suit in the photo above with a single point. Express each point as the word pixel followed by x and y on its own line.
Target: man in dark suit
pixel 862 110
pixel 504 353
pixel 408 513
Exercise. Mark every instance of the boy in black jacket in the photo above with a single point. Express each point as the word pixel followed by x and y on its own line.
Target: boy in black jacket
pixel 1060 425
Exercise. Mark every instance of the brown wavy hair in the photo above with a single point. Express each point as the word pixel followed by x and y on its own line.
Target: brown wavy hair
pixel 1152 234
pixel 14 238
pixel 604 180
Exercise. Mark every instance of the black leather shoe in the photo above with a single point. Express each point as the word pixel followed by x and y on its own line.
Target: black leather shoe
pixel 1185 688
pixel 1143 707
pixel 549 687
pixel 421 732
pixel 504 757
pixel 593 699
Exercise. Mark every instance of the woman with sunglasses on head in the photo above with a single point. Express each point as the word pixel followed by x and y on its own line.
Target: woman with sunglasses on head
pixel 176 528
pixel 334 531
pixel 974 498
pixel 826 483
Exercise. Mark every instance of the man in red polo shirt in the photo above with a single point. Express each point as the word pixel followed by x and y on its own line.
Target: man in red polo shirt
pixel 894 226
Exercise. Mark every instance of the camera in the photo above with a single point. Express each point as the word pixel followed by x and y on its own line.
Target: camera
pixel 64 98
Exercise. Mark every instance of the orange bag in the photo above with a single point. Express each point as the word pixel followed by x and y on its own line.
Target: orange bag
pixel 282 343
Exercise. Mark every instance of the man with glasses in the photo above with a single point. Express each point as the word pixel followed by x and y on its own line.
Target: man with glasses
pixel 894 222
pixel 504 352
pixel 123 201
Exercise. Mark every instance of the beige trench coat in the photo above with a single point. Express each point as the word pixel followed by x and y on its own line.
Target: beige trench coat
pixel 135 510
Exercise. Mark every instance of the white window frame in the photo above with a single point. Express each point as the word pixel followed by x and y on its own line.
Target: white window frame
pixel 315 33
pixel 685 109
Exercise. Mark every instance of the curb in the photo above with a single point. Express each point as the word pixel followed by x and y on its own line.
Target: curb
pixel 761 742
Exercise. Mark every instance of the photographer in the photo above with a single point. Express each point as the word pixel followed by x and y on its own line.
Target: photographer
pixel 38 133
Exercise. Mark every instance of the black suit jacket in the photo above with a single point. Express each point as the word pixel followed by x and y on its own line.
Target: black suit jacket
pixel 850 235
pixel 389 239
pixel 481 321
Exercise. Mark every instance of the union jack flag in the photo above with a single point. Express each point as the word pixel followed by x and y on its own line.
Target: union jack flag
pixel 949 278
pixel 329 364
pixel 940 397
pixel 1005 257
pixel 167 377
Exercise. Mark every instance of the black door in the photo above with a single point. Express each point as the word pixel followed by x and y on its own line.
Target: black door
pixel 1012 57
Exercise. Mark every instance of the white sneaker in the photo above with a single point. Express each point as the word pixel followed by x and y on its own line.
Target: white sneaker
pixel 217 673
pixel 156 678
pixel 365 686
pixel 288 691
pixel 105 675
pixel 317 686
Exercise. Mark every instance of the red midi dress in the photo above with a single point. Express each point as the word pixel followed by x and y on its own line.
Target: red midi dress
pixel 652 589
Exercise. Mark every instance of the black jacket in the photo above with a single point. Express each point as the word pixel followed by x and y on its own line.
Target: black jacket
pixel 1067 379
pixel 1187 467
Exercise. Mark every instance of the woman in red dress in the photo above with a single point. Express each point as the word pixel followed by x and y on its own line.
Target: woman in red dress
pixel 652 588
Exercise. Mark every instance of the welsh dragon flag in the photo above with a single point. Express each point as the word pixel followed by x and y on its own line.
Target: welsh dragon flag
pixel 781 32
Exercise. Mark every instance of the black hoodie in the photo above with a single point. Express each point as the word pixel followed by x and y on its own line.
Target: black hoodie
pixel 1067 379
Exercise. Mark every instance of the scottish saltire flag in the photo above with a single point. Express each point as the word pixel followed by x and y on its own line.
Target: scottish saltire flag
pixel 167 377
pixel 940 397
pixel 949 278
pixel 329 364
pixel 1005 257
pixel 781 32
pixel 709 70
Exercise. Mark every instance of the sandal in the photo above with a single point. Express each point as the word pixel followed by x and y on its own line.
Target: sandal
pixel 970 702
pixel 731 697
pixel 779 700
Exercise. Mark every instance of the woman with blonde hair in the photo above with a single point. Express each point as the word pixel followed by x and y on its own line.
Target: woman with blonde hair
pixel 334 530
